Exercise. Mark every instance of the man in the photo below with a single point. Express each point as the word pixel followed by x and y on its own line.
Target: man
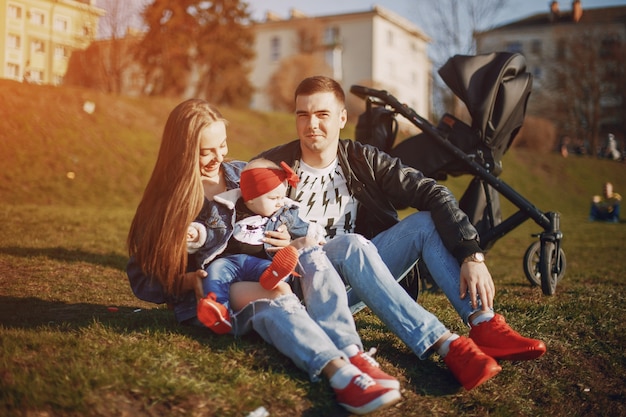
pixel 605 207
pixel 351 190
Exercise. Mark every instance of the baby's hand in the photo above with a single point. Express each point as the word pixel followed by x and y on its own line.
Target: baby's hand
pixel 192 234
pixel 196 237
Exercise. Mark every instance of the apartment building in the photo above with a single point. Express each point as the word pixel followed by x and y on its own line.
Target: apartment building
pixel 562 45
pixel 376 48
pixel 37 37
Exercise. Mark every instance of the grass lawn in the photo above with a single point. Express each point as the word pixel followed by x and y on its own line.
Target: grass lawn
pixel 76 342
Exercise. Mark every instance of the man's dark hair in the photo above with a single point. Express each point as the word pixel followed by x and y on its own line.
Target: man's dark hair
pixel 320 84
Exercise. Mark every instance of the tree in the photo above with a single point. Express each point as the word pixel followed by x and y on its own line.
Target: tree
pixel 307 62
pixel 103 65
pixel 114 55
pixel 197 48
pixel 584 87
pixel 451 25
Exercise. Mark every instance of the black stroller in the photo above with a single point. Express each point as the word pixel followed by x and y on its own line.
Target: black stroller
pixel 495 88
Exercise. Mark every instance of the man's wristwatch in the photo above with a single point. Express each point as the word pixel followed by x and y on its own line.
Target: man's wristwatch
pixel 475 257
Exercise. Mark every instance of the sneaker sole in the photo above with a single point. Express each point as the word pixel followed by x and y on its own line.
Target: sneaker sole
pixel 513 355
pixel 484 378
pixel 270 278
pixel 387 399
pixel 222 325
pixel 388 383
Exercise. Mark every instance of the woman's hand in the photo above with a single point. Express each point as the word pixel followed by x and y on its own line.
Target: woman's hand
pixel 192 281
pixel 278 239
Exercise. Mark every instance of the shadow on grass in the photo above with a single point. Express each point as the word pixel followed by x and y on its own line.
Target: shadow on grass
pixel 32 313
pixel 110 260
pixel 424 377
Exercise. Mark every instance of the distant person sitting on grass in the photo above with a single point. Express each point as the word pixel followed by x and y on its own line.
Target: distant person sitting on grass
pixel 238 251
pixel 605 208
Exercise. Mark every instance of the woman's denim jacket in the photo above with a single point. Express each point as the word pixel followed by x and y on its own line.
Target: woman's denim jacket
pixel 149 289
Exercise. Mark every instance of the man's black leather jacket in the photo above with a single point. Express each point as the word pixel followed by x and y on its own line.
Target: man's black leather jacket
pixel 383 184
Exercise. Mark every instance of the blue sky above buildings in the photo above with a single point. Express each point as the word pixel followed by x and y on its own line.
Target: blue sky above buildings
pixel 410 9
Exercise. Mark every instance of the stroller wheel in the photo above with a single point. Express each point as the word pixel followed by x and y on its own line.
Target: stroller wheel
pixel 533 267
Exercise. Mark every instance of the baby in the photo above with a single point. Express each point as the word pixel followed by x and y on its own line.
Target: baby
pixel 226 239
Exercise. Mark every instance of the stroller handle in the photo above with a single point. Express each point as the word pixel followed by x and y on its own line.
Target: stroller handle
pixel 386 98
pixel 379 96
pixel 364 92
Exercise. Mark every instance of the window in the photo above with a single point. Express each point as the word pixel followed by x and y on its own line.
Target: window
pixel 13 70
pixel 331 36
pixel 535 47
pixel 329 57
pixel 37 18
pixel 61 24
pixel 61 51
pixel 390 38
pixel 561 49
pixel 275 49
pixel 36 76
pixel 14 41
pixel 15 12
pixel 37 45
pixel 609 46
pixel 537 74
pixel 514 47
pixel 136 80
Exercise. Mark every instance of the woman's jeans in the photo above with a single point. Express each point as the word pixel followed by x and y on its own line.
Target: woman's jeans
pixel 310 336
pixel 371 269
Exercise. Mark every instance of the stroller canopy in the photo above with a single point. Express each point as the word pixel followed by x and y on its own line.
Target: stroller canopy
pixel 495 88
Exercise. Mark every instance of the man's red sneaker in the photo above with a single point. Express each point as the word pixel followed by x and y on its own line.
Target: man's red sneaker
pixel 363 395
pixel 469 365
pixel 498 340
pixel 214 315
pixel 282 266
pixel 368 365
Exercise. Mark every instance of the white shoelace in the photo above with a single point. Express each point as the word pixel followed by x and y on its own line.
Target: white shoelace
pixel 368 356
pixel 364 381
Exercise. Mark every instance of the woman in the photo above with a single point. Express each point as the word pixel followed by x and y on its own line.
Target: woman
pixel 320 339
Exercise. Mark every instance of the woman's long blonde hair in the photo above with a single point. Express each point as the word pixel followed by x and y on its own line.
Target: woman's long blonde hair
pixel 173 197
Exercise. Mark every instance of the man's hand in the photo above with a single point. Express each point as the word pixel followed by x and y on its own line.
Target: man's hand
pixel 278 239
pixel 476 278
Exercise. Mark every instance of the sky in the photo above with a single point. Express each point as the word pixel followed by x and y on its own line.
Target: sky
pixel 515 10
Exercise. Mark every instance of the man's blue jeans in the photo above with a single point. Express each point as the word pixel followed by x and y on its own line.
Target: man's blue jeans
pixel 372 268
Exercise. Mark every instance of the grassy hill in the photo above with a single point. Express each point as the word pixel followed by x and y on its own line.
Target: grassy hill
pixel 65 352
pixel 45 134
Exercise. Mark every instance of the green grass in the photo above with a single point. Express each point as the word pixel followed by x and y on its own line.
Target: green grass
pixel 62 260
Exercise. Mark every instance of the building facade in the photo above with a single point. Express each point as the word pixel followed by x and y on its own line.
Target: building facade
pixel 577 58
pixel 376 48
pixel 37 37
